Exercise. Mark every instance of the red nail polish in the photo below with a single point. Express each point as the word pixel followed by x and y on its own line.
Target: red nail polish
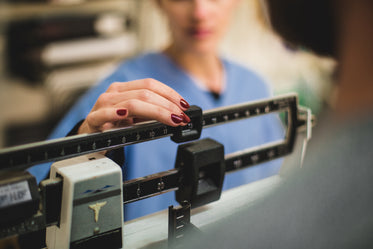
pixel 186 119
pixel 122 112
pixel 176 119
pixel 184 104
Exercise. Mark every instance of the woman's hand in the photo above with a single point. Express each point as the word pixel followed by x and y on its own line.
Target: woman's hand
pixel 126 103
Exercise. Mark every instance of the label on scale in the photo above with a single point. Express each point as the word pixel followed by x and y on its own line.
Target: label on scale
pixel 14 193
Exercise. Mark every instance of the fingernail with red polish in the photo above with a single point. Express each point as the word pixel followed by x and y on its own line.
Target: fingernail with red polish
pixel 186 119
pixel 176 119
pixel 184 104
pixel 122 112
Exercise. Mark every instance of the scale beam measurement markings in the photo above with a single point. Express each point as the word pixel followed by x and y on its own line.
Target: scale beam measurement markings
pixel 21 157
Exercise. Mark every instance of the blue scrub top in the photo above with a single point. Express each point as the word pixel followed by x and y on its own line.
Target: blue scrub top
pixel 151 157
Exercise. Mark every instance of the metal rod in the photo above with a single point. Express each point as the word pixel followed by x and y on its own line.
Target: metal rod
pixel 21 157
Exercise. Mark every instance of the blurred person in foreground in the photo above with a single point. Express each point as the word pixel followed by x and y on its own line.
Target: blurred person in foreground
pixel 328 203
pixel 158 85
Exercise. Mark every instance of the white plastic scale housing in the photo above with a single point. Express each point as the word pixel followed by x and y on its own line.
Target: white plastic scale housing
pixel 92 202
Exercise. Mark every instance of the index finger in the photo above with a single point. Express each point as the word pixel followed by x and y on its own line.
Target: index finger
pixel 152 85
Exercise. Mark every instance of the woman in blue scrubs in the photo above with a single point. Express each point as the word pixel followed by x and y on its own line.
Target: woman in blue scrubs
pixel 161 86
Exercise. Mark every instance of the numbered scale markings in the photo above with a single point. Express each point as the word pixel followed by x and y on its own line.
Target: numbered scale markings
pixel 21 157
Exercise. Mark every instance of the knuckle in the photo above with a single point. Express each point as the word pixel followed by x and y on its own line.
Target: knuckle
pixel 145 95
pixel 114 87
pixel 108 114
pixel 149 83
pixel 159 111
pixel 103 98
pixel 160 114
pixel 132 104
pixel 90 118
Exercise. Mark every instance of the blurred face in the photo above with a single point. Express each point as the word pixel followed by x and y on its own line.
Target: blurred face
pixel 197 25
